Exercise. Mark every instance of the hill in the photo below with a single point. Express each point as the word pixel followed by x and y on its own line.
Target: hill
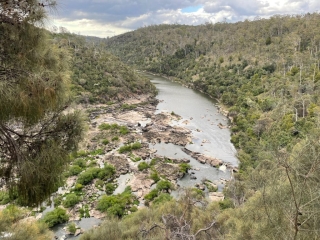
pixel 266 73
pixel 98 76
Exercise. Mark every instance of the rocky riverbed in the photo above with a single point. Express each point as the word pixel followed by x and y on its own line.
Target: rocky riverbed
pixel 102 147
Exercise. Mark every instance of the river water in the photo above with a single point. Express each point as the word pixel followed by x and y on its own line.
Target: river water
pixel 199 114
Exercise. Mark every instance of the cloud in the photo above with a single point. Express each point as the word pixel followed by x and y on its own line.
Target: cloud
pixel 89 27
pixel 98 17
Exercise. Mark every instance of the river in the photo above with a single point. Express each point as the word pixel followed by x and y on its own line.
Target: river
pixel 199 114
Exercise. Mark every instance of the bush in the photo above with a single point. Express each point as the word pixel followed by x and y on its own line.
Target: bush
pixel 87 176
pixel 184 167
pixel 163 197
pixel 125 148
pixel 110 188
pixel 80 162
pixel 72 228
pixel 82 153
pixel 136 145
pixel 74 170
pixel 164 185
pixel 226 203
pixel 71 200
pixel 123 130
pixel 99 183
pixel 97 152
pixel 4 197
pixel 107 172
pixel 105 141
pixel 77 187
pixel 128 148
pixel 151 195
pixel 116 138
pixel 57 200
pixel 155 177
pixel 143 165
pixel 116 205
pixel 55 217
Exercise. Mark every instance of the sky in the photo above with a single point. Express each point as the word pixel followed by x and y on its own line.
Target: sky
pixel 107 18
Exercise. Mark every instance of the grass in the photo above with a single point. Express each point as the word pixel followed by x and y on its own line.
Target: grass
pixel 130 147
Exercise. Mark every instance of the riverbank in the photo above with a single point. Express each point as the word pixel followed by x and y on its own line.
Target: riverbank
pixel 145 127
pixel 135 121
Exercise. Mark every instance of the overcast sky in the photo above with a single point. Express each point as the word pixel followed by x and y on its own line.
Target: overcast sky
pixel 107 18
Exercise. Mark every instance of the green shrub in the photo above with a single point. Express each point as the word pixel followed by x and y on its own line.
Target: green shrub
pixel 57 200
pixel 104 126
pixel 163 197
pixel 133 209
pixel 87 176
pixel 143 165
pixel 151 195
pixel 77 187
pixel 116 205
pixel 71 200
pixel 74 170
pixel 110 188
pixel 136 145
pixel 164 185
pixel 125 148
pixel 82 153
pixel 57 216
pixel 184 167
pixel 129 147
pixel 154 176
pixel 99 183
pixel 128 107
pixel 72 228
pixel 154 161
pixel 4 197
pixel 97 152
pixel 80 162
pixel 107 172
pixel 105 141
pixel 123 130
pixel 92 163
pixel 134 158
pixel 116 138
pixel 226 203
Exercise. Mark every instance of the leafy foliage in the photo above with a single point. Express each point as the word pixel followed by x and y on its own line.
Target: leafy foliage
pixel 71 200
pixel 36 135
pixel 130 147
pixel 56 216
pixel 116 205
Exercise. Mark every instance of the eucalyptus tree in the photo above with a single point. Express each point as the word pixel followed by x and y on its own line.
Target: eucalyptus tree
pixel 36 132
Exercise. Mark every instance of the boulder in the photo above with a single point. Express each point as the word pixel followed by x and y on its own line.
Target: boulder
pixel 216 196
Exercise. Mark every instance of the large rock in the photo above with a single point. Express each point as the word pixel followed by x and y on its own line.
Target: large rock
pixel 141 184
pixel 170 171
pixel 203 158
pixel 120 163
pixel 216 196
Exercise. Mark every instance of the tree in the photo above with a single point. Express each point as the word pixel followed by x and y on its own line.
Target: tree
pixel 36 133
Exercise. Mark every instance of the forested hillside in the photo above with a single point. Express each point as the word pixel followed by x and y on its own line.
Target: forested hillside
pixel 266 72
pixel 98 76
